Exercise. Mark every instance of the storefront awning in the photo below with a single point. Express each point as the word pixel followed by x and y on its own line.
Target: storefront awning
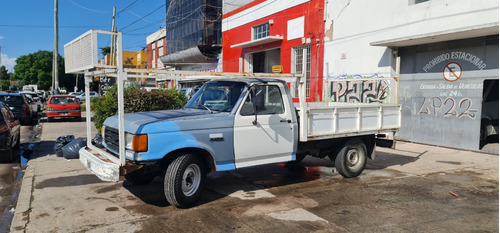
pixel 455 34
pixel 261 41
pixel 188 56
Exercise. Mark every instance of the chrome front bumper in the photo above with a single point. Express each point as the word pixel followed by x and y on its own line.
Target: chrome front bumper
pixel 104 169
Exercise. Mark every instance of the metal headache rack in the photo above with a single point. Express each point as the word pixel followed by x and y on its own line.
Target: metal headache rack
pixel 318 120
pixel 81 57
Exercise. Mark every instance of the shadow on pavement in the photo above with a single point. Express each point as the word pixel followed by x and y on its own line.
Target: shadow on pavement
pixel 151 193
pixel 246 180
pixel 44 148
pixel 386 159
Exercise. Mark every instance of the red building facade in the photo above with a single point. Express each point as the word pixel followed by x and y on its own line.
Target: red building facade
pixel 266 33
pixel 156 48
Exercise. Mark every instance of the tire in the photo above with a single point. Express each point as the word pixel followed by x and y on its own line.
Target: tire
pixel 78 119
pixel 351 159
pixel 49 119
pixel 139 177
pixel 184 180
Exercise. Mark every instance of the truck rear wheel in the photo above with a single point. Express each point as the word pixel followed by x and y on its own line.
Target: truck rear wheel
pixel 351 159
pixel 184 180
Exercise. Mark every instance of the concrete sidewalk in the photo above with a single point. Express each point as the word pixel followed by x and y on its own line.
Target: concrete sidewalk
pixel 60 195
pixel 44 163
pixel 419 159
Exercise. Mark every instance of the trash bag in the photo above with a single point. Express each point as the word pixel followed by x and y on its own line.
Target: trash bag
pixel 97 141
pixel 70 151
pixel 60 142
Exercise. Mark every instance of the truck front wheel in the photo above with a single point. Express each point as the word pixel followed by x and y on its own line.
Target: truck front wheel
pixel 351 159
pixel 184 180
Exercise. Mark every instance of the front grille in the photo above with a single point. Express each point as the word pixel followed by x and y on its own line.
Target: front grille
pixel 111 138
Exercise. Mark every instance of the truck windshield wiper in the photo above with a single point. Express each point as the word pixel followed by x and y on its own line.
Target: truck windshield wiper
pixel 210 110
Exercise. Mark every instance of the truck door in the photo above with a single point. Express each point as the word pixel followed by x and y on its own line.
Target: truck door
pixel 268 136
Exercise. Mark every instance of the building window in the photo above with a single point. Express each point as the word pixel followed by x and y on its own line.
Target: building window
pixel 299 55
pixel 271 101
pixel 261 31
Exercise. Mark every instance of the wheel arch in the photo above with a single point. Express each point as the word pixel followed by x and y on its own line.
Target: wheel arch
pixel 368 140
pixel 206 156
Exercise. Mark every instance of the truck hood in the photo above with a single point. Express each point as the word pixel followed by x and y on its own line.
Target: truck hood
pixel 149 122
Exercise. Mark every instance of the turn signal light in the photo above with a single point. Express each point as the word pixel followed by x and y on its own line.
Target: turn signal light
pixel 140 143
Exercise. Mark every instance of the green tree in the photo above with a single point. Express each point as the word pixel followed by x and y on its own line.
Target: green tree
pixel 4 79
pixel 36 68
pixel 105 51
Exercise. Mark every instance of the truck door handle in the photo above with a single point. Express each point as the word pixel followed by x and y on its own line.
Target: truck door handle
pixel 285 120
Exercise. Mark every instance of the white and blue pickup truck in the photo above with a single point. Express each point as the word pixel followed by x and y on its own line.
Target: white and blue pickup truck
pixel 236 123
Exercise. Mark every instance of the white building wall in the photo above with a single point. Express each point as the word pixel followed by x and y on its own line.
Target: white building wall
pixel 351 26
pixel 155 36
pixel 230 5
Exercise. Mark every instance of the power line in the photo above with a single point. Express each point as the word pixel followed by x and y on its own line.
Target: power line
pixel 148 25
pixel 122 10
pixel 150 13
pixel 85 8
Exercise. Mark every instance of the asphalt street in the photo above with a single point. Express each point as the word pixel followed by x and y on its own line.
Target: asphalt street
pixel 412 188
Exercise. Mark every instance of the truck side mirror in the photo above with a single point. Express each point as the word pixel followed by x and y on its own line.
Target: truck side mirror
pixel 258 102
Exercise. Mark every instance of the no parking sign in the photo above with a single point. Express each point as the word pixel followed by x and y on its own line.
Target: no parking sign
pixel 452 72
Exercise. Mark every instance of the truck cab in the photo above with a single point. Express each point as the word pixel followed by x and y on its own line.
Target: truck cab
pixel 223 115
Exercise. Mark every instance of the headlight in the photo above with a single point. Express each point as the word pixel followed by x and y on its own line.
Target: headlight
pixel 103 129
pixel 129 140
pixel 136 142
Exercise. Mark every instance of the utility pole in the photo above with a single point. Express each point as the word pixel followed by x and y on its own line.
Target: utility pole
pixel 112 55
pixel 55 61
pixel 75 89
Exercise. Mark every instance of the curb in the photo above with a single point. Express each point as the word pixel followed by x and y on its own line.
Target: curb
pixel 23 207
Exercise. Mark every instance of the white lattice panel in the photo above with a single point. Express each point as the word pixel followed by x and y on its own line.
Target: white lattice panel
pixel 81 54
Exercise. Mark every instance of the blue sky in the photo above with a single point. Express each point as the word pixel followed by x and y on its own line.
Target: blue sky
pixel 28 26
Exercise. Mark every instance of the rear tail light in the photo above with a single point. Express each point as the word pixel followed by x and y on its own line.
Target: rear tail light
pixel 26 109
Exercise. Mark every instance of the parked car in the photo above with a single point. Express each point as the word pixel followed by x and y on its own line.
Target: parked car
pixel 63 106
pixel 38 108
pixel 81 97
pixel 10 134
pixel 43 95
pixel 190 91
pixel 19 105
pixel 33 106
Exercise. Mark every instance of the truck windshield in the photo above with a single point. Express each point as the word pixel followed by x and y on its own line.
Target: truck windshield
pixel 217 96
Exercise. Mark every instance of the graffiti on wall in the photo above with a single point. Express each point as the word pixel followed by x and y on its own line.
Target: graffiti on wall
pixel 349 90
pixel 451 101
pixel 448 107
